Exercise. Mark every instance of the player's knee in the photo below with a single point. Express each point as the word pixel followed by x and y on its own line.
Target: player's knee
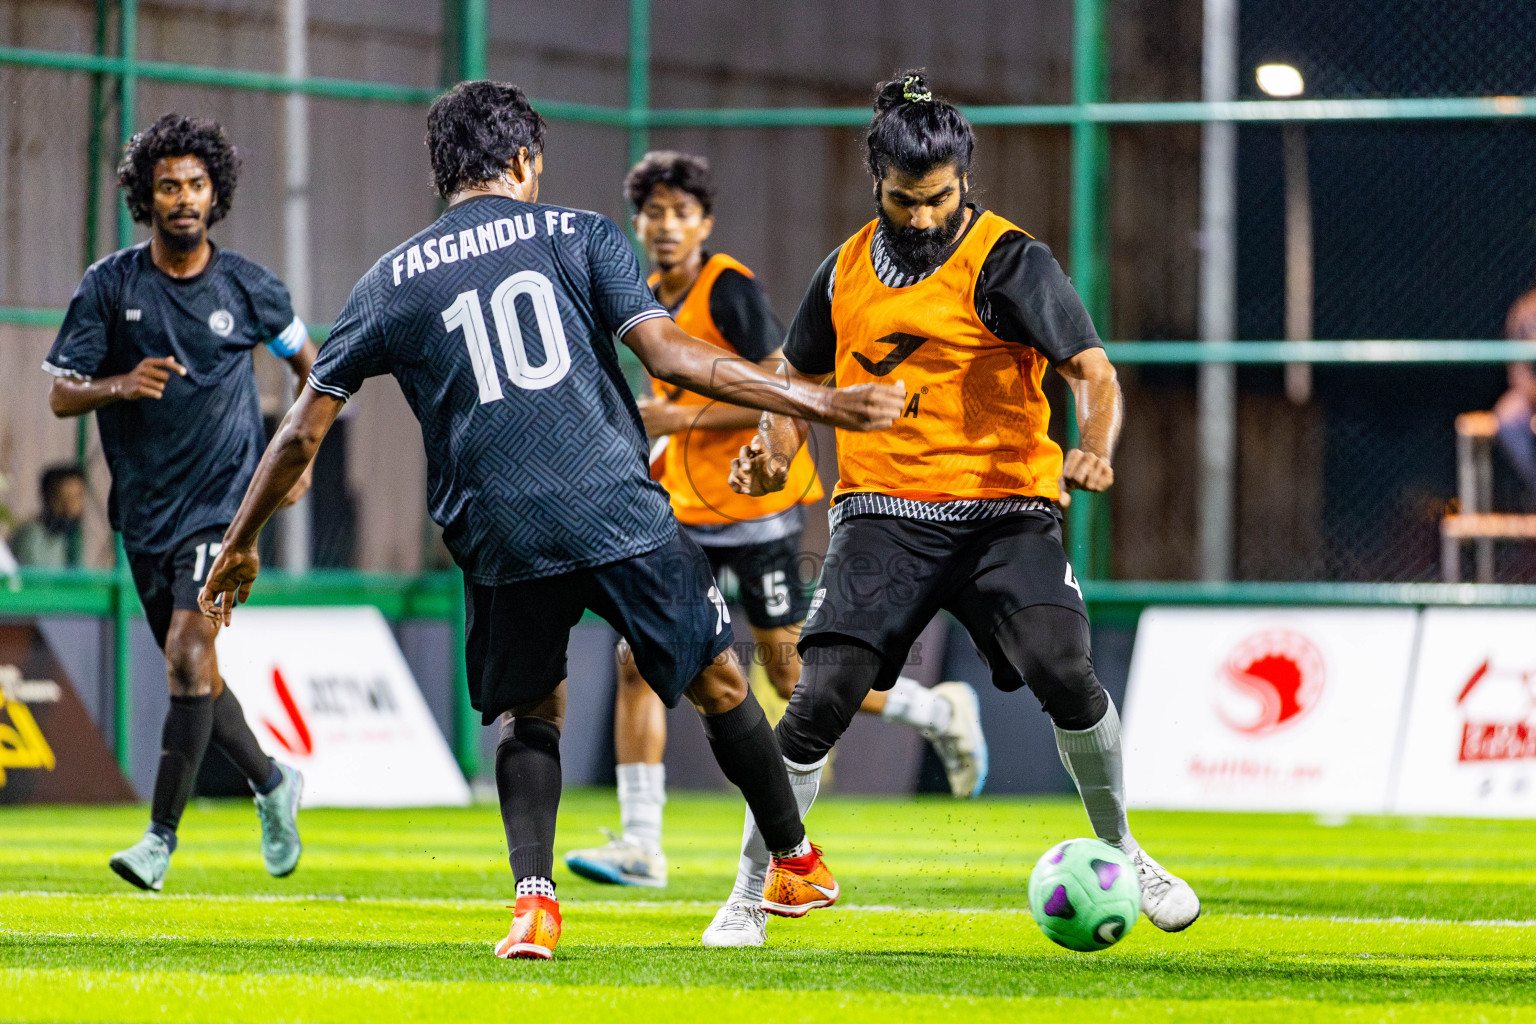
pixel 784 670
pixel 629 674
pixel 536 733
pixel 718 689
pixel 188 664
pixel 836 678
pixel 1050 647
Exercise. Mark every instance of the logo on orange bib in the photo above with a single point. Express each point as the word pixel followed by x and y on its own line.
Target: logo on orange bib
pixel 903 345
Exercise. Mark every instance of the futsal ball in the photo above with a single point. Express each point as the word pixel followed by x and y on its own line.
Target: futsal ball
pixel 1084 894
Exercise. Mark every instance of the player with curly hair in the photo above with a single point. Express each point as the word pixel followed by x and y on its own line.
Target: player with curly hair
pixel 157 342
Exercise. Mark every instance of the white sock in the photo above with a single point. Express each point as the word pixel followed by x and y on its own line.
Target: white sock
pixel 642 795
pixel 911 703
pixel 535 885
pixel 752 870
pixel 1092 758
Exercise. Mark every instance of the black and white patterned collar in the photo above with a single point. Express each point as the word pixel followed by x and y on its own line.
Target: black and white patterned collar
pixel 891 275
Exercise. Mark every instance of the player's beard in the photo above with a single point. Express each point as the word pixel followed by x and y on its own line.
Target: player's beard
pixel 182 241
pixel 917 250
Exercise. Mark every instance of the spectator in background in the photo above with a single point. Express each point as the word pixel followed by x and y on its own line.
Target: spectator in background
pixel 51 541
pixel 1516 408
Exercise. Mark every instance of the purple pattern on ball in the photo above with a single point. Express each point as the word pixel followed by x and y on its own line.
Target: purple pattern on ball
pixel 1059 906
pixel 1061 851
pixel 1108 872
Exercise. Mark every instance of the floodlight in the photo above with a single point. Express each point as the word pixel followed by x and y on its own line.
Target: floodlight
pixel 1279 80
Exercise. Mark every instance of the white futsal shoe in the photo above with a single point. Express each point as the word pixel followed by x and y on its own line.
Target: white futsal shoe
pixel 738 923
pixel 1166 899
pixel 961 745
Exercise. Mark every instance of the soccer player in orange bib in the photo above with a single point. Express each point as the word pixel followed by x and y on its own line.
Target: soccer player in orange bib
pixel 956 507
pixel 754 539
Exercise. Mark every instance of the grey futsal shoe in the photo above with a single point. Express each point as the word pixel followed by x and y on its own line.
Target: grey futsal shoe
pixel 279 813
pixel 144 863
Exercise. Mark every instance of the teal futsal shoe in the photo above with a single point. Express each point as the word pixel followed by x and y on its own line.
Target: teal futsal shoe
pixel 279 813
pixel 144 863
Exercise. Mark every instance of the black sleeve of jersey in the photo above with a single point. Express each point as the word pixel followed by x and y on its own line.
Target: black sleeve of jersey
pixel 1022 295
pixel 619 291
pixel 270 300
pixel 740 309
pixel 81 345
pixel 357 348
pixel 811 346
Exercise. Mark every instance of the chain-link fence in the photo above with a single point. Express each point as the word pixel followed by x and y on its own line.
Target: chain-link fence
pixel 1419 229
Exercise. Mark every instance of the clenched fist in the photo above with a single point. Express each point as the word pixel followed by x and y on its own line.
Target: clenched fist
pixel 755 472
pixel 1085 471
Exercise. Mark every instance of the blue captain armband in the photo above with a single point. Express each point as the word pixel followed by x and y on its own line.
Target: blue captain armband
pixel 290 341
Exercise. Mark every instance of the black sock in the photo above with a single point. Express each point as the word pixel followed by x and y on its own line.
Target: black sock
pixel 183 740
pixel 232 734
pixel 528 787
pixel 748 753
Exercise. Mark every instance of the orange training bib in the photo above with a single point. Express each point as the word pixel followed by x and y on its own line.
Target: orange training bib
pixel 976 416
pixel 695 465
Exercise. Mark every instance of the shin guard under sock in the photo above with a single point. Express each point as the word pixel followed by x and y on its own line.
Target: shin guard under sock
pixel 1092 758
pixel 232 734
pixel 748 754
pixel 183 741
pixel 528 788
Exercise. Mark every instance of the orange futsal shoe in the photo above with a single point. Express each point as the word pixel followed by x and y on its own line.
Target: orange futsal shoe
pixel 797 885
pixel 535 930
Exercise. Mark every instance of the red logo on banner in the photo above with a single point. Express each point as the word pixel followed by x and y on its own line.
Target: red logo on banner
pixel 1499 715
pixel 301 743
pixel 1272 679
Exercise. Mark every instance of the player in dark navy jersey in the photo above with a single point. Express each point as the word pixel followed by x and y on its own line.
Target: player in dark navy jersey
pixel 499 322
pixel 157 341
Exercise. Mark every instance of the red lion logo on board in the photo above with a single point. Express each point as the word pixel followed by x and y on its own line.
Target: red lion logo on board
pixel 1269 681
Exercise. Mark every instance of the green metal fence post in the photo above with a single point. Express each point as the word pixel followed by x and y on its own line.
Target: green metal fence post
pixel 1088 263
pixel 466 720
pixel 124 601
pixel 639 78
pixel 472 39
pixel 128 41
pixel 125 598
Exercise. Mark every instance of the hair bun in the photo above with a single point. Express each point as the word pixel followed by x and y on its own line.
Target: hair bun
pixel 908 87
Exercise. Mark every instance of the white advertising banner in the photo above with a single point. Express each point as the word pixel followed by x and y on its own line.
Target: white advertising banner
pixel 1470 744
pixel 1266 709
pixel 327 691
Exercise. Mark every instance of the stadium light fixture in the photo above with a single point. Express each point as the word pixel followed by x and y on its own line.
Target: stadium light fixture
pixel 1279 80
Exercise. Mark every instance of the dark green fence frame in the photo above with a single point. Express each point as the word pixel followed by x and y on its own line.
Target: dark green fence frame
pixel 440 595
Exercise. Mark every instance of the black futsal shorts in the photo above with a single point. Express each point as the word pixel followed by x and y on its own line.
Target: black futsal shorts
pixel 169 581
pixel 664 602
pixel 886 577
pixel 768 580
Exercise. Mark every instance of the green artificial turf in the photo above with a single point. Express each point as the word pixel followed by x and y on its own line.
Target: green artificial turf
pixel 392 915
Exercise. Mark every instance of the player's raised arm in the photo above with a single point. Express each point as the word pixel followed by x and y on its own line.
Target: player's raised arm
pixel 292 450
pixel 1100 409
pixel 678 358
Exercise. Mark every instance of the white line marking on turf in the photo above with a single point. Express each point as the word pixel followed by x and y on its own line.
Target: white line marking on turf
pixel 864 908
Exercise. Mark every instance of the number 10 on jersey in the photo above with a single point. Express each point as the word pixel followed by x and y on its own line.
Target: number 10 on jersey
pixel 465 315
